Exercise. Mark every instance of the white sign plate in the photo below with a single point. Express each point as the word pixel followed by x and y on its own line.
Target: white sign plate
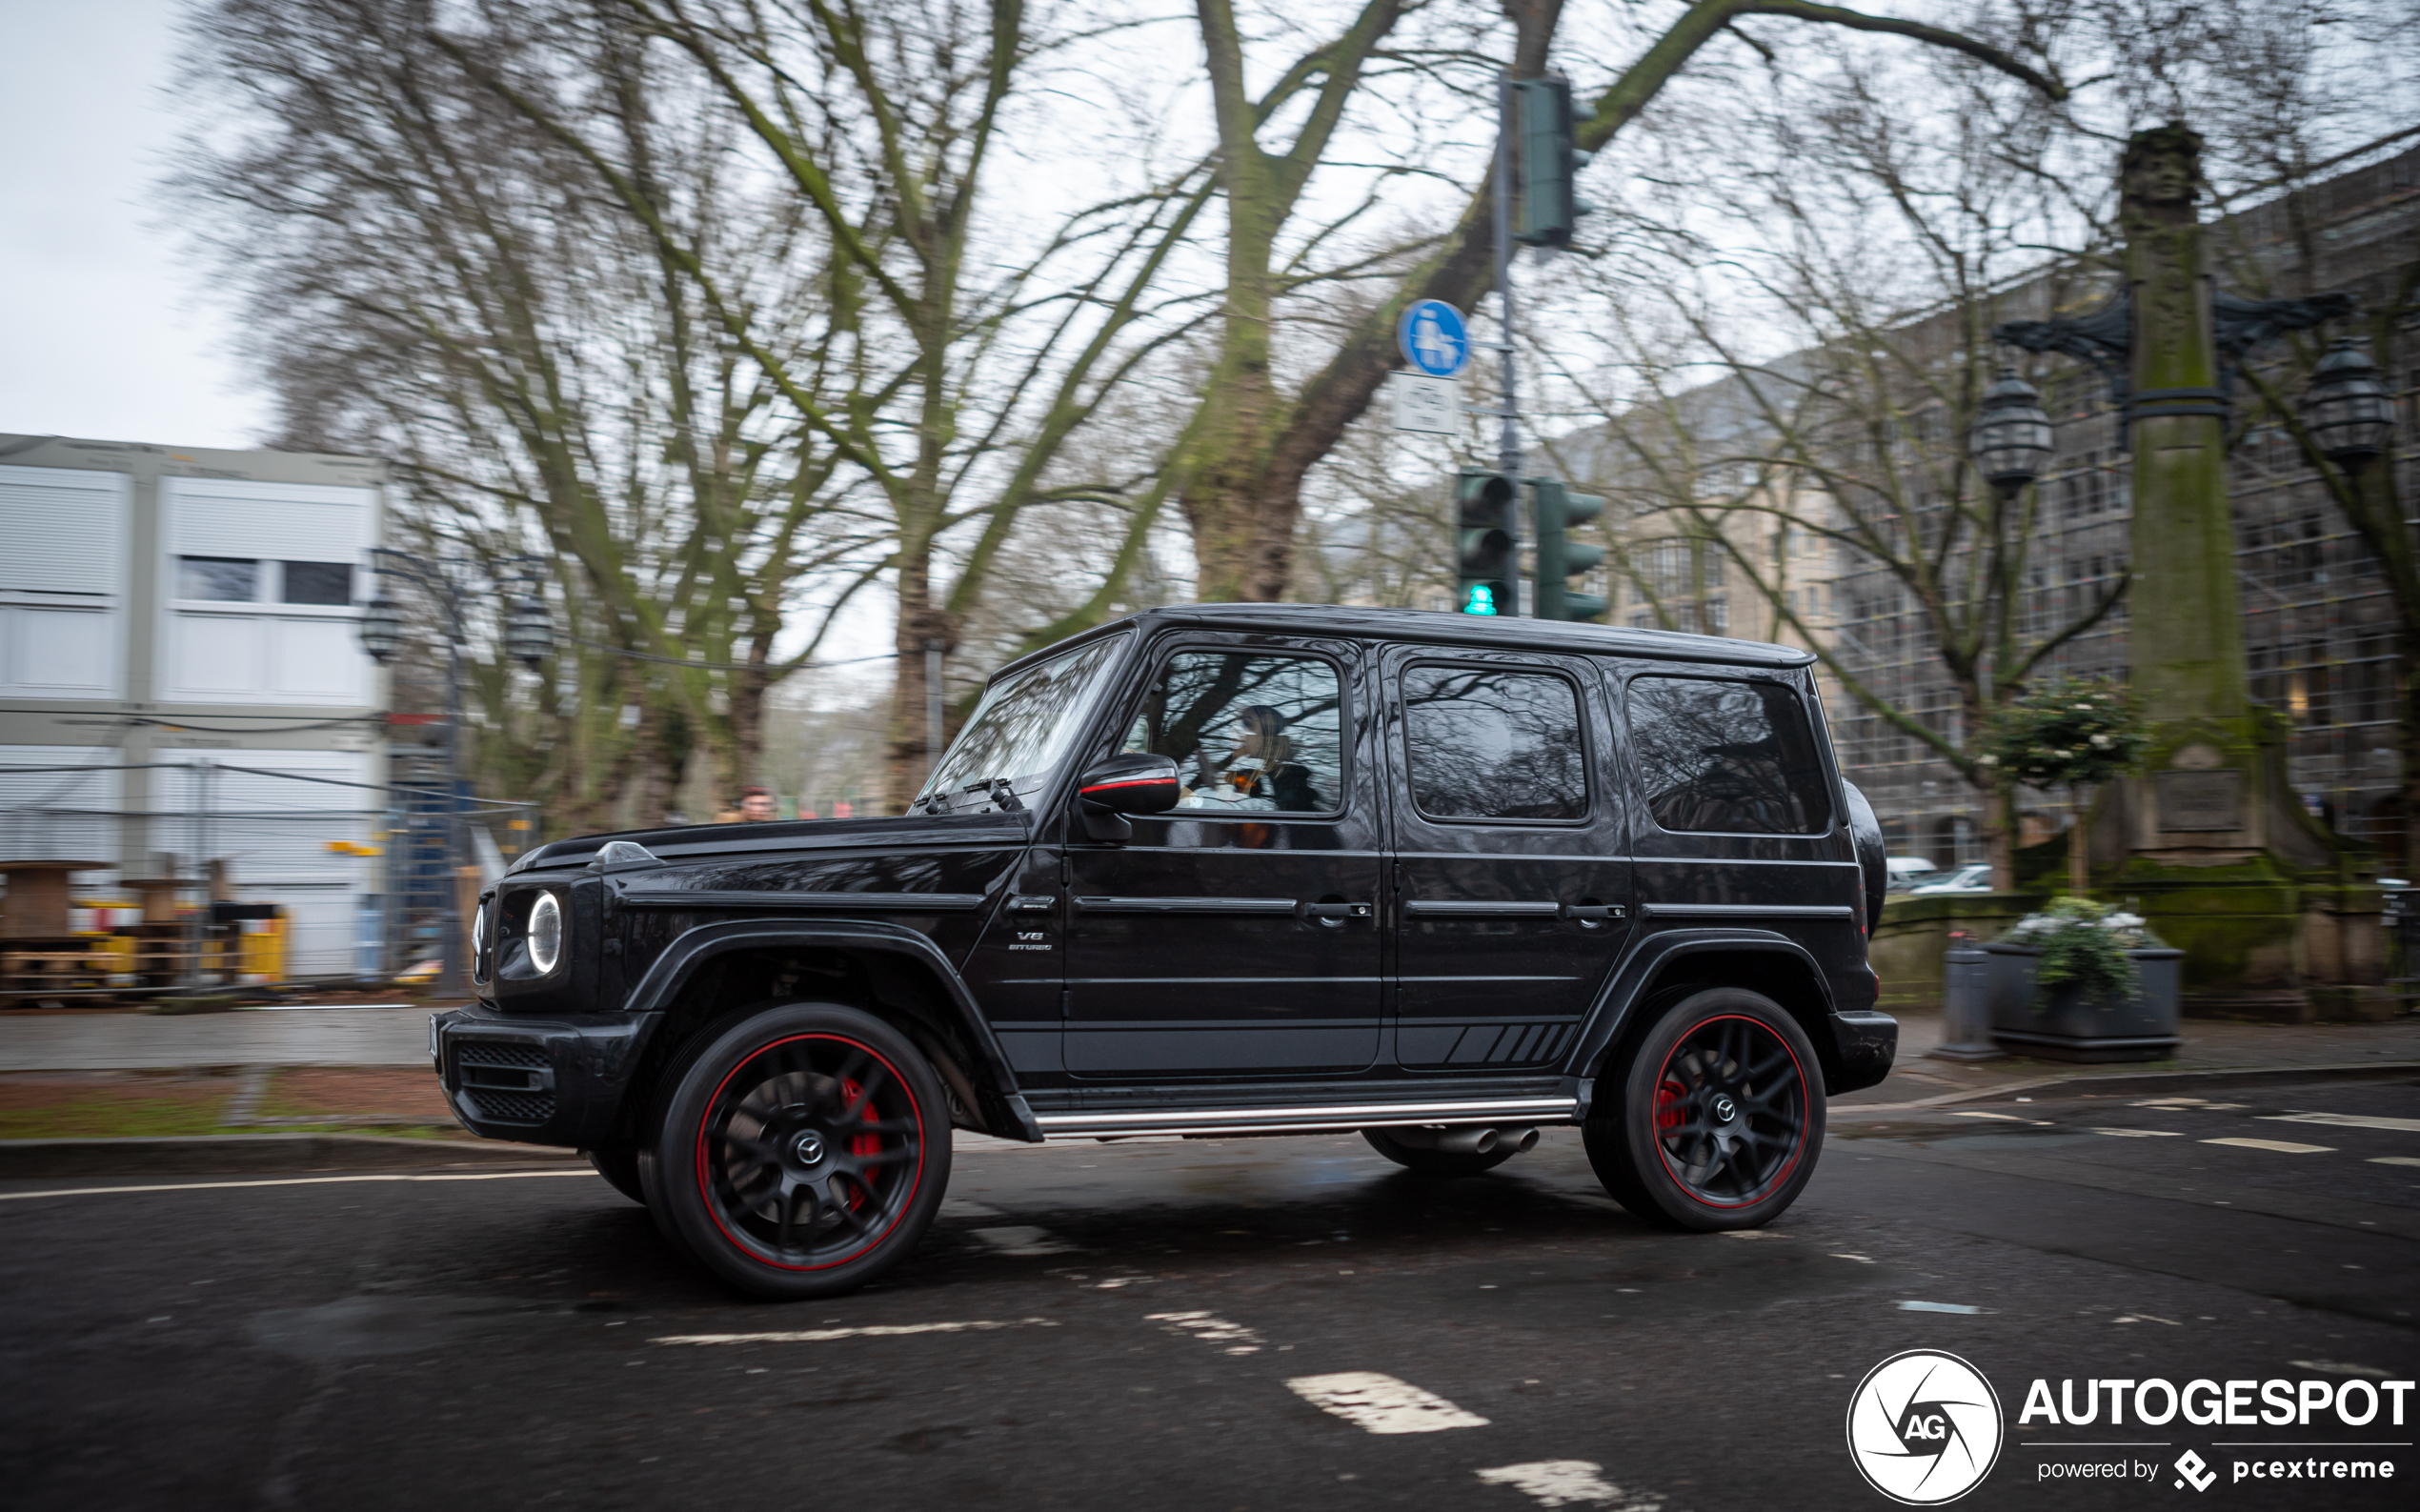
pixel 1423 403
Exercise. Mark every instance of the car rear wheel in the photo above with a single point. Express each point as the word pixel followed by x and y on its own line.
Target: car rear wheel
pixel 1436 1162
pixel 1719 1115
pixel 803 1150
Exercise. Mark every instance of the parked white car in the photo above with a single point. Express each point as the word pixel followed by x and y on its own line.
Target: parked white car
pixel 1975 878
pixel 1907 871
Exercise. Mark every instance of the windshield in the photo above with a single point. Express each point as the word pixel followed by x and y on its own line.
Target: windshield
pixel 1023 725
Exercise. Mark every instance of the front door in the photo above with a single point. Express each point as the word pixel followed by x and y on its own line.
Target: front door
pixel 1512 893
pixel 1236 933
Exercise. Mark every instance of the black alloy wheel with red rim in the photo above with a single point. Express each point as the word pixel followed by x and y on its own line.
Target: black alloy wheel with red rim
pixel 803 1151
pixel 1720 1117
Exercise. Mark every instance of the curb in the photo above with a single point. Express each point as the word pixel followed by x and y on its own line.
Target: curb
pixel 220 1154
pixel 2051 1088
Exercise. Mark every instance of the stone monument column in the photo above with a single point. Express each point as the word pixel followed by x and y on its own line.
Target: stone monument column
pixel 2211 839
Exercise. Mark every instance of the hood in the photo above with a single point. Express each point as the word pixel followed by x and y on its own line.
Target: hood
pixel 791 837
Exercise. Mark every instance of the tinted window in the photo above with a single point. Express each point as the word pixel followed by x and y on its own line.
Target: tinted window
pixel 1247 733
pixel 223 579
pixel 1735 757
pixel 1494 744
pixel 318 583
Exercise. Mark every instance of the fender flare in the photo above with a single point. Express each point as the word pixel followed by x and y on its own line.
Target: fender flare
pixel 1611 1015
pixel 679 962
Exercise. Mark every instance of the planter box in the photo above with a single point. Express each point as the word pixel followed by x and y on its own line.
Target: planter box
pixel 2069 1027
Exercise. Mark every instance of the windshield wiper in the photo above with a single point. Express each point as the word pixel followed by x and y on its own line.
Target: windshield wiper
pixel 1001 792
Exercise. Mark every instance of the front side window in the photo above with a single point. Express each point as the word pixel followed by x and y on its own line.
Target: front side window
pixel 1249 733
pixel 1494 743
pixel 218 579
pixel 1727 757
pixel 1023 726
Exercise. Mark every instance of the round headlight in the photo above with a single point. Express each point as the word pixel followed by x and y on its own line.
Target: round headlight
pixel 546 934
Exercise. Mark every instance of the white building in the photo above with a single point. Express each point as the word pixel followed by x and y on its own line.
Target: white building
pixel 180 676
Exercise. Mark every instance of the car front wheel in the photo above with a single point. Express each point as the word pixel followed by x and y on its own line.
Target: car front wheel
pixel 803 1151
pixel 1719 1115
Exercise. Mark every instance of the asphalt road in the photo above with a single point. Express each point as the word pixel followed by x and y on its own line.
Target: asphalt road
pixel 1156 1326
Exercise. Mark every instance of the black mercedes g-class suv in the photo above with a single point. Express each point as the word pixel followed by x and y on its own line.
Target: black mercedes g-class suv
pixel 1220 870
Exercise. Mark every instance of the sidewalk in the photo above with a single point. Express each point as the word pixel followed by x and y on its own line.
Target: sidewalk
pixel 284 1036
pixel 2210 1044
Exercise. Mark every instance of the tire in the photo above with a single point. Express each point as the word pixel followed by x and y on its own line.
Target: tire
pixel 1434 1162
pixel 619 1167
pixel 1719 1115
pixel 803 1151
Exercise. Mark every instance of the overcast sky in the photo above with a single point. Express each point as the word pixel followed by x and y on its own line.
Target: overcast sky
pixel 107 334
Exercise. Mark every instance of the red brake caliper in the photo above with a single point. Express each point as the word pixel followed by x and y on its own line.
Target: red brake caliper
pixel 860 1144
pixel 1669 1095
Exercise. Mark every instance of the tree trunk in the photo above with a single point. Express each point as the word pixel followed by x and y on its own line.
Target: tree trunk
pixel 907 755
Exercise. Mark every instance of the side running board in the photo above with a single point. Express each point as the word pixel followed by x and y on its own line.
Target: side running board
pixel 1323 1118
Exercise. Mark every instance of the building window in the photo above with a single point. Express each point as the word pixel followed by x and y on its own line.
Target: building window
pixel 218 579
pixel 317 582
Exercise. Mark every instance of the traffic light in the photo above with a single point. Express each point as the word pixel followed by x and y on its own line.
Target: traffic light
pixel 1559 558
pixel 1544 164
pixel 1484 544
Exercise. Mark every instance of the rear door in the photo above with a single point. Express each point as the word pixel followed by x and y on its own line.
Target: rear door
pixel 1235 935
pixel 1511 893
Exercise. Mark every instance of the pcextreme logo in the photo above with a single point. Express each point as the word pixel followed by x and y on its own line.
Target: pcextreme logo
pixel 1924 1427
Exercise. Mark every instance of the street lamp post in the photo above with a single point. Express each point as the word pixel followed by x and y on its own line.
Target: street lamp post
pixel 529 636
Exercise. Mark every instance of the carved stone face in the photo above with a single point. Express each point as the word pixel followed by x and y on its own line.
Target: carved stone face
pixel 2161 178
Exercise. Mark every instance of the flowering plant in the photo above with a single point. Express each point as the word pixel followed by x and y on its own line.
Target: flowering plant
pixel 2072 733
pixel 2084 944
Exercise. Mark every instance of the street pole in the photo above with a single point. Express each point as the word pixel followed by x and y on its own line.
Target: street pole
pixel 1508 408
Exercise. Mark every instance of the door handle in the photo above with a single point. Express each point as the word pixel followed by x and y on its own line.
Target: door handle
pixel 1335 913
pixel 1593 913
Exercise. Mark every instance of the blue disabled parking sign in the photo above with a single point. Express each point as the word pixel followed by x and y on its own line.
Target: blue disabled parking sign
pixel 1434 339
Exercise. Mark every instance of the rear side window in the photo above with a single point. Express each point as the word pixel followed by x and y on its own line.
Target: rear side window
pixel 1727 757
pixel 1494 743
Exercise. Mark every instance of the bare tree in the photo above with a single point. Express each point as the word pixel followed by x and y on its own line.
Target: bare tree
pixel 429 279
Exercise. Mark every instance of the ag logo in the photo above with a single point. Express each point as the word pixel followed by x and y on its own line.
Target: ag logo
pixel 1924 1427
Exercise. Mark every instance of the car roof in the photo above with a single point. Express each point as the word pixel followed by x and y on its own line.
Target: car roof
pixel 1500 633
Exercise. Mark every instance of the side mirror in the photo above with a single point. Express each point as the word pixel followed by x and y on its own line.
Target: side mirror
pixel 1131 783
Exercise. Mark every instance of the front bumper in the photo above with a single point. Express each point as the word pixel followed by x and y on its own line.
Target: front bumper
pixel 1867 1043
pixel 539 1081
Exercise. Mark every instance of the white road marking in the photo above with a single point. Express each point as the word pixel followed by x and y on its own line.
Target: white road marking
pixel 2003 1118
pixel 2142 1134
pixel 2345 1121
pixel 2394 1159
pixel 2145 1318
pixel 1022 1239
pixel 287 1181
pixel 1381 1404
pixel 1563 1483
pixel 819 1336
pixel 1862 1260
pixel 1937 1307
pixel 2337 1367
pixel 2280 1146
pixel 1211 1330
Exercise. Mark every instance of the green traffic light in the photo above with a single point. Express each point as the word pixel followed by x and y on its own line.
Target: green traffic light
pixel 1481 600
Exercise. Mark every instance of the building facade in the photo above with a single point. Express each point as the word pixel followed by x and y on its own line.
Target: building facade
pixel 183 690
pixel 2320 625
